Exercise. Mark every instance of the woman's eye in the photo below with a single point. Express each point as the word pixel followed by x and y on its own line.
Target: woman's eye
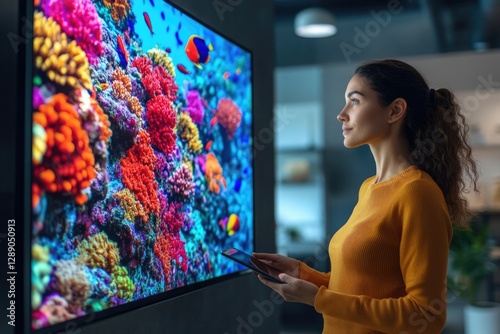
pixel 354 101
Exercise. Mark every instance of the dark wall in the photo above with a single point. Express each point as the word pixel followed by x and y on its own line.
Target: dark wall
pixel 239 305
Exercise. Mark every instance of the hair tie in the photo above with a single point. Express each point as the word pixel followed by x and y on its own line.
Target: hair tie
pixel 431 96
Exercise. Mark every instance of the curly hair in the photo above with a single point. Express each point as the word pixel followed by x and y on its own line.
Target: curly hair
pixel 434 127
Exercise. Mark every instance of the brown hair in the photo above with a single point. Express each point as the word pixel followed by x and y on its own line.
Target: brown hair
pixel 435 129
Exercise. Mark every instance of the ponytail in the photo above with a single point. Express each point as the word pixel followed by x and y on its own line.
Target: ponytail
pixel 435 129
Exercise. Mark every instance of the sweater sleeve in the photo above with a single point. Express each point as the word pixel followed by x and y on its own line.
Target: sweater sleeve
pixel 314 276
pixel 421 218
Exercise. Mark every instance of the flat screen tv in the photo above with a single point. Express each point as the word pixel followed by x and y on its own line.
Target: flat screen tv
pixel 141 157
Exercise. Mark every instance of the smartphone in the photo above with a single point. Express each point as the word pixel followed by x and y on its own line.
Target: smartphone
pixel 253 263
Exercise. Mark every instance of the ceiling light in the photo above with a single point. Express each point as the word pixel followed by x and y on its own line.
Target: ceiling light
pixel 314 23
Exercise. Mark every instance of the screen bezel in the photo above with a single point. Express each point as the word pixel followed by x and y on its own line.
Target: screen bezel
pixel 24 179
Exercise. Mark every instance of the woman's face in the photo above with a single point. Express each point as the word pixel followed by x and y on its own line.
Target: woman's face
pixel 364 119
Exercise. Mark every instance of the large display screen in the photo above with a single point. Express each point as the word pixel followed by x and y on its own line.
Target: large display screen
pixel 141 156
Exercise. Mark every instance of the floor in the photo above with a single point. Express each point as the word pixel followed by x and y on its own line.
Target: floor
pixel 291 325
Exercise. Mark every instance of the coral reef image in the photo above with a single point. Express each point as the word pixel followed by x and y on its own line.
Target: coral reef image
pixel 141 155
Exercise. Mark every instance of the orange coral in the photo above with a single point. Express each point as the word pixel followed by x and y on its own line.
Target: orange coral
pixel 138 173
pixel 119 90
pixel 131 206
pixel 99 251
pixel 162 251
pixel 68 164
pixel 64 62
pixel 119 75
pixel 120 9
pixel 135 106
pixel 213 173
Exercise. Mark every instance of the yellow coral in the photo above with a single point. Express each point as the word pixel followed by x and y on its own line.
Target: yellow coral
pixel 161 57
pixel 40 273
pixel 123 283
pixel 189 132
pixel 64 62
pixel 188 163
pixel 99 251
pixel 132 207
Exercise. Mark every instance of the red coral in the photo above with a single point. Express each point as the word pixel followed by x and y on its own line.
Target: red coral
pixel 160 116
pixel 161 249
pixel 156 80
pixel 68 163
pixel 229 116
pixel 138 173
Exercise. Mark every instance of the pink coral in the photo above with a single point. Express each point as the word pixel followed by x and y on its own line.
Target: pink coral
pixel 195 106
pixel 181 182
pixel 156 80
pixel 229 116
pixel 53 310
pixel 80 21
pixel 138 172
pixel 160 116
pixel 70 281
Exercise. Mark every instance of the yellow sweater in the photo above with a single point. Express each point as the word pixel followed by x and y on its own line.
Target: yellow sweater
pixel 389 261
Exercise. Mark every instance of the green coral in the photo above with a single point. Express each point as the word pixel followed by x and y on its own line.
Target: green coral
pixel 123 283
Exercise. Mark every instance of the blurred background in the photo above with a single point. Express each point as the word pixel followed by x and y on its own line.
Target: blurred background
pixel 455 44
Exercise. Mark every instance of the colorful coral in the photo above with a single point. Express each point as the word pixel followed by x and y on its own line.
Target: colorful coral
pixel 162 252
pixel 40 273
pixel 119 75
pixel 132 207
pixel 98 251
pixel 195 106
pixel 188 131
pixel 181 182
pixel 64 62
pixel 70 281
pixel 156 80
pixel 160 116
pixel 161 57
pixel 78 20
pixel 68 163
pixel 54 310
pixel 213 173
pixel 39 143
pixel 229 116
pixel 137 169
pixel 123 283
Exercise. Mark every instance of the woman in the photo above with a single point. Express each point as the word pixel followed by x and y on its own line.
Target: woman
pixel 389 261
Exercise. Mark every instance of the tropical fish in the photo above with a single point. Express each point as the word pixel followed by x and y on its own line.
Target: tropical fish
pixel 213 121
pixel 168 50
pixel 123 49
pixel 183 69
pixel 162 14
pixel 233 224
pixel 152 2
pixel 226 75
pixel 237 185
pixel 209 145
pixel 197 50
pixel 168 28
pixel 177 37
pixel 148 22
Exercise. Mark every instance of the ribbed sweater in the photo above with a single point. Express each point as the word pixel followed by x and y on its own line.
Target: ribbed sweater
pixel 389 261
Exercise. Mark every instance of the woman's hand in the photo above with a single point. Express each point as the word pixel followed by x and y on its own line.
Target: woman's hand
pixel 295 290
pixel 284 264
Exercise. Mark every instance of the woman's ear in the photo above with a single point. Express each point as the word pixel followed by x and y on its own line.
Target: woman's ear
pixel 397 110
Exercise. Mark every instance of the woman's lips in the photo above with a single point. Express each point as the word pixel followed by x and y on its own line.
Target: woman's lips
pixel 346 130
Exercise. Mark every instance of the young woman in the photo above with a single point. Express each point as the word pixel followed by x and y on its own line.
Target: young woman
pixel 389 261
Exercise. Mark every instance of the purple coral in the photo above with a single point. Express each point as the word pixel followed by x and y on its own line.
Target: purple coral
pixel 195 106
pixel 80 21
pixel 181 182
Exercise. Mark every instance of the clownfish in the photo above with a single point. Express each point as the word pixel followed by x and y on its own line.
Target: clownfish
pixel 197 50
pixel 148 22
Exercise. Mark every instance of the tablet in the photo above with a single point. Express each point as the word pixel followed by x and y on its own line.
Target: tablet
pixel 253 263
